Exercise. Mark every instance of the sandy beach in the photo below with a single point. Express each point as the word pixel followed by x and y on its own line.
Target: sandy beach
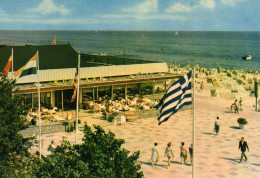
pixel 215 156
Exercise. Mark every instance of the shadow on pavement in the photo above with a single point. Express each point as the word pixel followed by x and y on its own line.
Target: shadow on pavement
pixel 234 127
pixel 230 159
pixel 179 163
pixel 150 164
pixel 208 133
pixel 255 164
pixel 227 112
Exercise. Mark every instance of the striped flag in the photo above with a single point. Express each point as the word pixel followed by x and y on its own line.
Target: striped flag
pixel 8 66
pixel 28 69
pixel 75 85
pixel 177 96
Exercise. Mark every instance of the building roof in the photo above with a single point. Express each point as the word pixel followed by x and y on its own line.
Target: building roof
pixel 60 56
pixel 50 56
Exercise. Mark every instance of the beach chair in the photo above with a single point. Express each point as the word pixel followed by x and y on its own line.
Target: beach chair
pixel 123 120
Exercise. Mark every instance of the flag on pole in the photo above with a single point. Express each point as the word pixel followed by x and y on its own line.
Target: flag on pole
pixel 28 69
pixel 53 41
pixel 177 96
pixel 75 85
pixel 8 66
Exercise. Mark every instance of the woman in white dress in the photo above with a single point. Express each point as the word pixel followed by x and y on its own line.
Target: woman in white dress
pixel 169 153
pixel 155 154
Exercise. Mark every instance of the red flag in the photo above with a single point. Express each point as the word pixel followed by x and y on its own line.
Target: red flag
pixel 53 41
pixel 8 66
pixel 75 88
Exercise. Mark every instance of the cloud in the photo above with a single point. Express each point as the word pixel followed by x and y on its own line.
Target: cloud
pixel 55 21
pixel 143 17
pixel 49 7
pixel 178 7
pixel 2 12
pixel 231 3
pixel 207 3
pixel 145 7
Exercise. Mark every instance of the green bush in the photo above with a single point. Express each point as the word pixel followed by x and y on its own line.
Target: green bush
pixel 242 121
pixel 110 118
pixel 13 147
pixel 100 155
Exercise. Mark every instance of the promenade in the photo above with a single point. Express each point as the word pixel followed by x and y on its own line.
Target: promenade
pixel 215 156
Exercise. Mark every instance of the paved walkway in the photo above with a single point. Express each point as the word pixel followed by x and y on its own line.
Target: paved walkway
pixel 216 156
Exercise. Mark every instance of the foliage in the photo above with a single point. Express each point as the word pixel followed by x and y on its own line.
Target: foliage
pixel 100 155
pixel 110 118
pixel 13 147
pixel 242 121
pixel 63 162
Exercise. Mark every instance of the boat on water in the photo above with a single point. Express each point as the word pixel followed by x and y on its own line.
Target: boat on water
pixel 247 57
pixel 176 33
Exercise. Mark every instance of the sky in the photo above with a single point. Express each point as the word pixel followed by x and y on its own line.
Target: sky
pixel 152 15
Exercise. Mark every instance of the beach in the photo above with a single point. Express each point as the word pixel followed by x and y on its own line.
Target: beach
pixel 215 156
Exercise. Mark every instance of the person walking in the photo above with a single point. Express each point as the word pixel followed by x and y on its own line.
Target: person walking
pixel 155 154
pixel 183 153
pixel 217 126
pixel 201 86
pixel 169 153
pixel 240 103
pixel 191 153
pixel 243 146
pixel 236 106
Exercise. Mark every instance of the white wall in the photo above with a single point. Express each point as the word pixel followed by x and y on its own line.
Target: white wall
pixel 90 72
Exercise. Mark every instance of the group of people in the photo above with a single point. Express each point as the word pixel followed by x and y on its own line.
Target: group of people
pixel 169 153
pixel 236 106
pixel 243 146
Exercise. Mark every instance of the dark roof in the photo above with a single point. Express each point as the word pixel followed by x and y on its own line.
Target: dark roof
pixel 60 57
pixel 50 56
pixel 112 60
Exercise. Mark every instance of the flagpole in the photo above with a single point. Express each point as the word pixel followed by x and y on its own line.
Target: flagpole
pixel 62 106
pixel 193 123
pixel 77 107
pixel 12 63
pixel 39 106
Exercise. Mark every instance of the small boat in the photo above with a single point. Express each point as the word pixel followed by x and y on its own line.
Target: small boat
pixel 247 57
pixel 176 33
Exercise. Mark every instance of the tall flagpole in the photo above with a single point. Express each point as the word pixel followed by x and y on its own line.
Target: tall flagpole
pixel 62 106
pixel 193 123
pixel 39 106
pixel 77 107
pixel 12 63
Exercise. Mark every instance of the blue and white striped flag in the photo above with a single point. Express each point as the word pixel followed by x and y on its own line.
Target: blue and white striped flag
pixel 178 95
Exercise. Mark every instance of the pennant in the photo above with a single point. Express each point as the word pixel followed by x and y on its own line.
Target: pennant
pixel 75 85
pixel 8 66
pixel 53 41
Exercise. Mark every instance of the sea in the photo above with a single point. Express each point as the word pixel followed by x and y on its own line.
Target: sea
pixel 206 48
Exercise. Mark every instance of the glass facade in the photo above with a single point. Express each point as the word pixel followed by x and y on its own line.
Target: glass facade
pixel 32 99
